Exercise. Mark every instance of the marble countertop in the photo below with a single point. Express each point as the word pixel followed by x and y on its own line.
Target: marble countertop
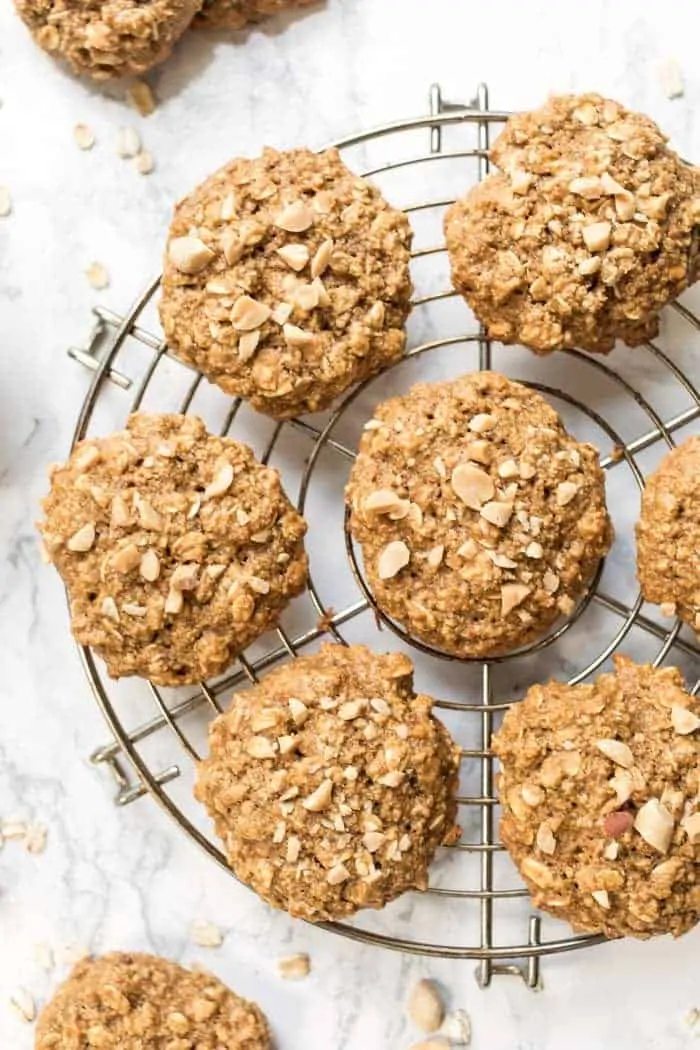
pixel 129 878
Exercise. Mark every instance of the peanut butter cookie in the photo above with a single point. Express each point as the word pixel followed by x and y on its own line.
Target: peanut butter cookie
pixel 234 14
pixel 480 519
pixel 600 789
pixel 331 784
pixel 131 1001
pixel 108 38
pixel 668 534
pixel 286 280
pixel 589 229
pixel 178 549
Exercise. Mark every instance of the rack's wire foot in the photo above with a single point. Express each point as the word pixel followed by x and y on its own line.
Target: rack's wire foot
pixel 127 790
pixel 438 105
pixel 529 972
pixel 89 355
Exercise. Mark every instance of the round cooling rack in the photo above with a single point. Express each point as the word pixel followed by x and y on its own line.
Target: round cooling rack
pixel 631 404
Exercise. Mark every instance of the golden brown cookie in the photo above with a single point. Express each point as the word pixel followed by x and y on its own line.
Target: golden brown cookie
pixel 330 783
pixel 234 14
pixel 600 789
pixel 591 226
pixel 131 1001
pixel 286 280
pixel 668 534
pixel 178 549
pixel 480 519
pixel 108 38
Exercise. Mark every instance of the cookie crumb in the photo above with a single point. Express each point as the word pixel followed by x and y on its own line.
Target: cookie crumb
pixel 23 1005
pixel 692 1017
pixel 13 829
pixel 128 142
pixel 35 838
pixel 83 136
pixel 457 1028
pixel 206 934
pixel 144 162
pixel 294 967
pixel 97 276
pixel 5 202
pixel 671 78
pixel 425 1006
pixel 141 98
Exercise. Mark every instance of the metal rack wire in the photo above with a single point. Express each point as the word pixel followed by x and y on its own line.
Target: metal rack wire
pixel 149 723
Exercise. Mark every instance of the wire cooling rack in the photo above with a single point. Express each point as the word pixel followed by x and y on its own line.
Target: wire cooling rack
pixel 630 404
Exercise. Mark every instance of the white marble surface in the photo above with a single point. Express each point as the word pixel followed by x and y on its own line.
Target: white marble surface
pixel 111 878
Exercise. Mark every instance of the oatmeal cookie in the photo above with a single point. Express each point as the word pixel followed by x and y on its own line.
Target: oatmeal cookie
pixel 589 229
pixel 108 38
pixel 178 549
pixel 286 280
pixel 600 789
pixel 234 14
pixel 132 1001
pixel 331 784
pixel 668 534
pixel 480 519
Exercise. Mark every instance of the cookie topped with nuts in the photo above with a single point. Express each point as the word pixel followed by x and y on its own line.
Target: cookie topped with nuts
pixel 177 548
pixel 480 518
pixel 600 789
pixel 286 280
pixel 108 38
pixel 234 14
pixel 132 1001
pixel 330 783
pixel 668 534
pixel 591 226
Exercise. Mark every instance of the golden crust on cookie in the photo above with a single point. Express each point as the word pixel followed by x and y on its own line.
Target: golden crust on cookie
pixel 103 39
pixel 131 1001
pixel 286 280
pixel 480 518
pixel 600 786
pixel 178 549
pixel 668 534
pixel 591 226
pixel 330 783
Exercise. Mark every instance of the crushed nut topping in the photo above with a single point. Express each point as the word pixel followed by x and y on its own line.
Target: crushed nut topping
pixel 248 313
pixel 189 255
pixel 295 218
pixel 473 485
pixel 392 559
pixel 296 256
